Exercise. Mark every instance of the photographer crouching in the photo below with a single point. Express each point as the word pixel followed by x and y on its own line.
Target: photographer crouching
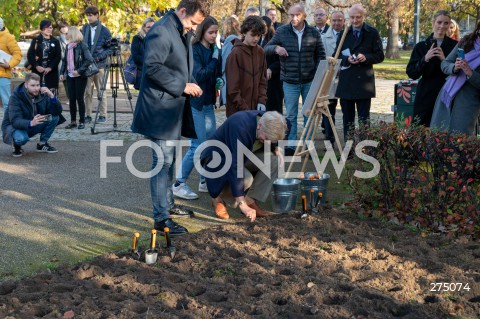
pixel 31 110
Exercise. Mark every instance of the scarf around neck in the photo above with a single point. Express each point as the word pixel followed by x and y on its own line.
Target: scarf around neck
pixel 94 24
pixel 456 81
pixel 71 57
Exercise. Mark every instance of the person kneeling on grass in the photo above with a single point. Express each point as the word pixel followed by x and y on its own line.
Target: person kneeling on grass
pixel 31 110
pixel 252 129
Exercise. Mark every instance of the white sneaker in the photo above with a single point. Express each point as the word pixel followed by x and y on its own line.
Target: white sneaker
pixel 202 187
pixel 183 191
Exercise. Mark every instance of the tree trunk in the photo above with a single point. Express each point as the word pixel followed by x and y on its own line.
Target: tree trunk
pixel 286 4
pixel 238 8
pixel 392 42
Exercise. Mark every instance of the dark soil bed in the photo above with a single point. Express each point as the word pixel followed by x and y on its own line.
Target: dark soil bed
pixel 332 265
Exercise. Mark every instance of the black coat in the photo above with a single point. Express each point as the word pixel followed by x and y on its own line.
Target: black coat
pixel 21 111
pixel 136 51
pixel 432 77
pixel 163 111
pixel 357 81
pixel 298 67
pixel 35 56
pixel 274 85
pixel 82 58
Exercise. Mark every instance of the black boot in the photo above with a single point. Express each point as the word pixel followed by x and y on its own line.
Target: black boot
pixel 175 229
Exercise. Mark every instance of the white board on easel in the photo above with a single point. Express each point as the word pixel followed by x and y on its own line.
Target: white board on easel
pixel 317 83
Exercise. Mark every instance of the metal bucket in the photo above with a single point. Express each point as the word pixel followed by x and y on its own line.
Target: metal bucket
pixel 318 185
pixel 151 256
pixel 285 194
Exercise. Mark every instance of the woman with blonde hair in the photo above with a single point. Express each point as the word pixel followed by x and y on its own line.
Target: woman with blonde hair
pixel 245 183
pixel 454 31
pixel 76 60
pixel 425 63
pixel 136 50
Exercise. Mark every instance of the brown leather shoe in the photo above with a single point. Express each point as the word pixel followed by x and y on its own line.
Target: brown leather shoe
pixel 221 210
pixel 260 212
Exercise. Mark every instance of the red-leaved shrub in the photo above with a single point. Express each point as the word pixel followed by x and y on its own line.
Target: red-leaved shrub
pixel 427 178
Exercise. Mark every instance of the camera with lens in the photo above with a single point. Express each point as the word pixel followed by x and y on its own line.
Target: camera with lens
pixel 112 44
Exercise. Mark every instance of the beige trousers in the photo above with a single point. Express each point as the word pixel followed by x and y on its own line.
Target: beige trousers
pixel 255 181
pixel 97 81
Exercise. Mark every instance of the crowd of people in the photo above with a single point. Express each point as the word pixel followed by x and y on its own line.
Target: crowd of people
pixel 448 92
pixel 259 66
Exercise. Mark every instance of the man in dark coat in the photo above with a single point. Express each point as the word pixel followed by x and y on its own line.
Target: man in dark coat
pixel 362 48
pixel 272 14
pixel 163 110
pixel 31 110
pixel 300 49
pixel 321 18
pixel 96 36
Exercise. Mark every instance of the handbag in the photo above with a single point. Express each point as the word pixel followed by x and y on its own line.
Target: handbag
pixel 91 70
pixel 130 71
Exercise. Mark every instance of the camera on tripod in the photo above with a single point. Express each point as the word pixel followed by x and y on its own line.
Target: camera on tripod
pixel 114 69
pixel 113 44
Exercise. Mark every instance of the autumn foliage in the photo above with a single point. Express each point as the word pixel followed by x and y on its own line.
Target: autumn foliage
pixel 427 179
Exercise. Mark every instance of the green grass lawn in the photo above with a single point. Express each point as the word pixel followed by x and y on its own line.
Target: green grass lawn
pixel 393 69
pixel 390 72
pixel 404 57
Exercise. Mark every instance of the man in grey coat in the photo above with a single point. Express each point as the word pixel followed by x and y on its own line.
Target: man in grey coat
pixel 163 110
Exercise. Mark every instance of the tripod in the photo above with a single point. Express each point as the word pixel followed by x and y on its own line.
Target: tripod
pixel 115 68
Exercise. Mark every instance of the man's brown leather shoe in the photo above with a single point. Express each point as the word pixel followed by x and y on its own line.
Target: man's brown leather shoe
pixel 221 210
pixel 260 212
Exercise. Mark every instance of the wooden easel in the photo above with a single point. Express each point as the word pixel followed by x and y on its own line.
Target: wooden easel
pixel 320 106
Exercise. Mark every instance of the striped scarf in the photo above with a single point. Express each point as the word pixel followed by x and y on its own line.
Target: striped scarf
pixel 71 57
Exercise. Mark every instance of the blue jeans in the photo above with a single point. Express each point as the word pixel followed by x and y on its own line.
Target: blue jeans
pixel 5 92
pixel 161 183
pixel 292 93
pixel 204 122
pixel 45 130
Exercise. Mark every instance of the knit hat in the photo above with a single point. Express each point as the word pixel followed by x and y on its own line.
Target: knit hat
pixel 45 24
pixel 1 24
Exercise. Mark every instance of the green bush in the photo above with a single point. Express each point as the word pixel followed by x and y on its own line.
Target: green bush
pixel 427 178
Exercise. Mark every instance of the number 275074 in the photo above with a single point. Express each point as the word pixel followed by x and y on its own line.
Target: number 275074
pixel 449 286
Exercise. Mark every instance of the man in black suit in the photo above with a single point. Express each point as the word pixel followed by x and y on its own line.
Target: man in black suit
pixel 356 87
pixel 321 18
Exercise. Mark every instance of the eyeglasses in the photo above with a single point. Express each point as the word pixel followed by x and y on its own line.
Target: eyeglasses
pixel 319 15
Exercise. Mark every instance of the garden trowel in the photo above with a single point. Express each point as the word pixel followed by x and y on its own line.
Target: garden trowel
pixel 170 247
pixel 135 253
